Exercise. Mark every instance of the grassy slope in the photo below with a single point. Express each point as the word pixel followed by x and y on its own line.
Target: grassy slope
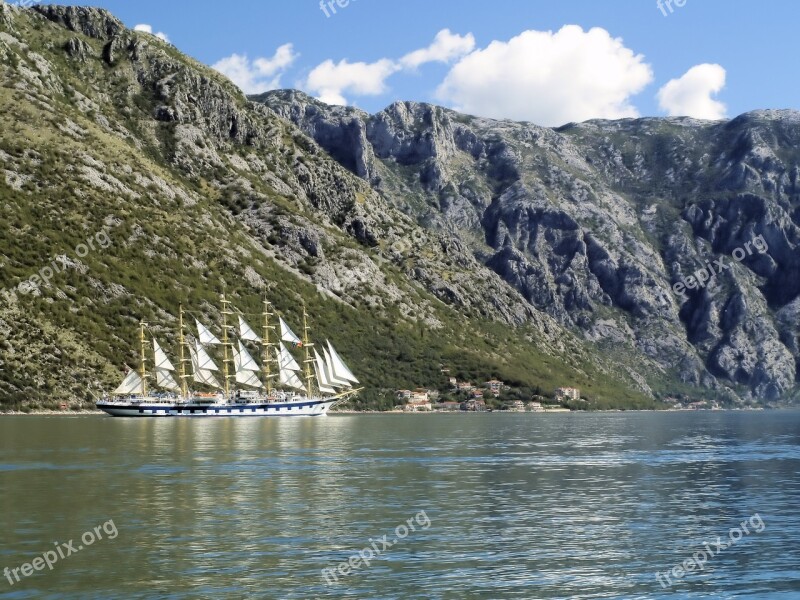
pixel 74 335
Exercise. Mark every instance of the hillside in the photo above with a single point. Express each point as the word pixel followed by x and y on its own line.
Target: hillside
pixel 142 179
pixel 602 225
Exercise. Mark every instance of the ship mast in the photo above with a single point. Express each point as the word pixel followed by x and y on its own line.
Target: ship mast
pixel 182 343
pixel 225 343
pixel 265 345
pixel 307 346
pixel 143 368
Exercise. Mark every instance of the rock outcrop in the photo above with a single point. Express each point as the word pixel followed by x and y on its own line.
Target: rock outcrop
pixel 581 253
pixel 598 224
pixel 110 130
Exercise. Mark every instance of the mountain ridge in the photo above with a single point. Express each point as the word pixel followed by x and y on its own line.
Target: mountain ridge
pixel 589 191
pixel 200 191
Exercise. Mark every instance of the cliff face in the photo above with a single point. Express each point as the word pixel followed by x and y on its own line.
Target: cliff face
pixel 110 134
pixel 419 238
pixel 601 224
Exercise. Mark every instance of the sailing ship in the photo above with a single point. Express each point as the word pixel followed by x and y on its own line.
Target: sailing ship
pixel 279 387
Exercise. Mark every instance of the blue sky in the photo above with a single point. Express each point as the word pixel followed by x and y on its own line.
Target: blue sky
pixel 746 52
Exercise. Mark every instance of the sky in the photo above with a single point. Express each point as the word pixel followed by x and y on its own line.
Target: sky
pixel 548 62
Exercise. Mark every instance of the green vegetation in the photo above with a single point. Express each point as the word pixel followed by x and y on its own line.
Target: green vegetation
pixel 184 226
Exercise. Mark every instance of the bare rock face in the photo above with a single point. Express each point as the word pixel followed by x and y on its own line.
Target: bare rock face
pixel 601 222
pixel 342 131
pixel 92 22
pixel 78 49
pixel 602 230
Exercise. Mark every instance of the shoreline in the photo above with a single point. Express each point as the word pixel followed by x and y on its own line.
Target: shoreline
pixel 44 412
pixel 100 413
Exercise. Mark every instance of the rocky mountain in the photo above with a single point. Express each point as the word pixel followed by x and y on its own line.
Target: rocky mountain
pixel 133 178
pixel 670 239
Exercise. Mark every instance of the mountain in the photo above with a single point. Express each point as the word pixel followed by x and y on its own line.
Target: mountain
pixel 599 224
pixel 133 178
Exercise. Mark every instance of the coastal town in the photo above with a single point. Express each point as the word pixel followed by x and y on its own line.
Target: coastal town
pixel 487 396
pixel 496 396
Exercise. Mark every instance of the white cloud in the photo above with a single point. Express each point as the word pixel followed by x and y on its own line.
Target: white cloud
pixel 149 29
pixel 445 48
pixel 549 78
pixel 330 81
pixel 260 75
pixel 691 94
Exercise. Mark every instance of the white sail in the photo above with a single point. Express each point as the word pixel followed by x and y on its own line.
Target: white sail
pixel 330 375
pixel 248 378
pixel 163 366
pixel 202 375
pixel 132 384
pixel 204 362
pixel 287 335
pixel 246 362
pixel 322 380
pixel 237 365
pixel 165 380
pixel 204 335
pixel 246 367
pixel 286 360
pixel 291 379
pixel 161 360
pixel 324 372
pixel 246 333
pixel 322 376
pixel 340 370
pixel 287 367
pixel 207 377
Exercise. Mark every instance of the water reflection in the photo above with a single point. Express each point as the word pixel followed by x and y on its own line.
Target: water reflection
pixel 555 506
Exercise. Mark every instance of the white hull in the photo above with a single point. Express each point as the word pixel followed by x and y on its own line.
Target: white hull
pixel 314 407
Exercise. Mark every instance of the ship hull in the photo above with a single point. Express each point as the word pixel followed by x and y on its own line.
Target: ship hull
pixel 304 408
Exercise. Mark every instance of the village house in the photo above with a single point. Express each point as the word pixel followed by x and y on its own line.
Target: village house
pixel 474 405
pixel 494 386
pixel 420 395
pixel 568 393
pixel 418 405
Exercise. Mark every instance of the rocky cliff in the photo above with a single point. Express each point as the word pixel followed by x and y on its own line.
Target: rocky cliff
pixel 110 135
pixel 671 240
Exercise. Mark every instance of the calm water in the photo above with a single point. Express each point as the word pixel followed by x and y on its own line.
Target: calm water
pixel 502 506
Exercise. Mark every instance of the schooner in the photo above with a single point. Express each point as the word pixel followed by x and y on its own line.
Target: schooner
pixel 279 386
